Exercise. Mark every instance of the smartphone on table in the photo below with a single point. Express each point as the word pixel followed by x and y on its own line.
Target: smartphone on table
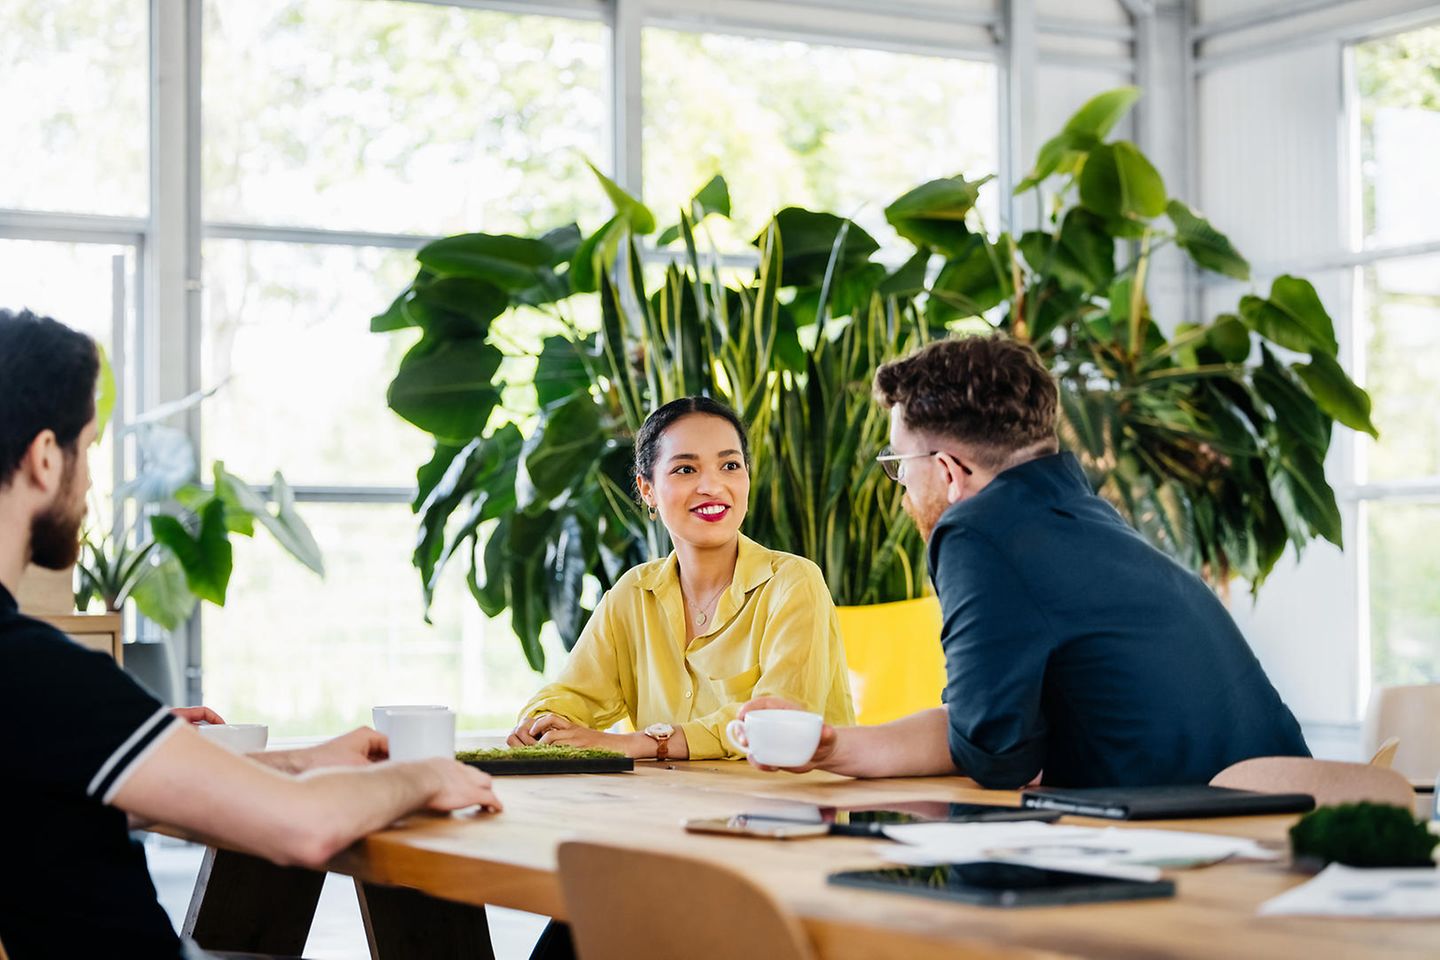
pixel 769 828
pixel 992 884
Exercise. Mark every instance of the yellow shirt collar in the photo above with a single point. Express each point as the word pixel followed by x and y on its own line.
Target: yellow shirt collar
pixel 753 567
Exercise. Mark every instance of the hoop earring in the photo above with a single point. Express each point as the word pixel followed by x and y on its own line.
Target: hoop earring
pixel 653 515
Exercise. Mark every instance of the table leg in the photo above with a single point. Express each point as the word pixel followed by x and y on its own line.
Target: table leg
pixel 401 922
pixel 248 905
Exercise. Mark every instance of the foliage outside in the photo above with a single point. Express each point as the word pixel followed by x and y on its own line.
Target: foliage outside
pixel 1211 441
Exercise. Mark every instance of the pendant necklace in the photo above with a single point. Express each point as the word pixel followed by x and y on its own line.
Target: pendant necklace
pixel 700 616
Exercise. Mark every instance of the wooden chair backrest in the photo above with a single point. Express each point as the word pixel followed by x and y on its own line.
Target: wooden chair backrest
pixel 1385 753
pixel 1328 781
pixel 1411 713
pixel 621 905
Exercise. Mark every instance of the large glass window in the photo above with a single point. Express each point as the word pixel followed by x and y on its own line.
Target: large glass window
pixel 1396 102
pixel 399 117
pixel 792 123
pixel 74 87
pixel 383 117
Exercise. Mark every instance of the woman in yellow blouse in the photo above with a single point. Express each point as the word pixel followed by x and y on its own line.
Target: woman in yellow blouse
pixel 679 644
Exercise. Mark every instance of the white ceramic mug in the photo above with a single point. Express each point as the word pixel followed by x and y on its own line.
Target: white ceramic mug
pixel 777 738
pixel 236 737
pixel 420 734
pixel 380 716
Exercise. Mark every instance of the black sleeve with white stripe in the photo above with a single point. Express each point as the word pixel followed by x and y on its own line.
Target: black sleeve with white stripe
pixel 77 724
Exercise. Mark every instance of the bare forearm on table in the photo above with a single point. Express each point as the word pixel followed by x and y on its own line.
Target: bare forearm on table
pixel 913 746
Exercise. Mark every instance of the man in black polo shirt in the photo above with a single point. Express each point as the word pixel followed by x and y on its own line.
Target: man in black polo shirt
pixel 1072 646
pixel 84 745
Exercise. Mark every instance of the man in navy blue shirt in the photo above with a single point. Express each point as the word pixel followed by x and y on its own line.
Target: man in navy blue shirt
pixel 1074 650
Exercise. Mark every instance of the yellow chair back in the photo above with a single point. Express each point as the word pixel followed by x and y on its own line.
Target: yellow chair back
pixel 896 664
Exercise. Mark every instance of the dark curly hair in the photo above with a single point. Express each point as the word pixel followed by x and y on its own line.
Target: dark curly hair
pixel 991 393
pixel 48 374
pixel 647 440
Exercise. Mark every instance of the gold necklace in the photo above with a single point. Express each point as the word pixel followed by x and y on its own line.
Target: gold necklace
pixel 700 615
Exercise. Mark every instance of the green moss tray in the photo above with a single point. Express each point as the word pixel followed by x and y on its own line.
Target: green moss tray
pixel 523 761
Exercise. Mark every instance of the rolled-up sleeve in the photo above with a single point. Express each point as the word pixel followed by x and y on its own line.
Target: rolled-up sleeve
pixel 997 646
pixel 800 659
pixel 589 689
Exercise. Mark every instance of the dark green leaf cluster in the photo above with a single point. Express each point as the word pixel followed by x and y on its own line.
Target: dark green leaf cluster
pixel 1363 835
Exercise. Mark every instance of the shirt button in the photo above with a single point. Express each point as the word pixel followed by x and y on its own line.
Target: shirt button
pixel 687 694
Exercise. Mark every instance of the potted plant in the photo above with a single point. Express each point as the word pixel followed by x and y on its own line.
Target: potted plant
pixel 178 550
pixel 1213 456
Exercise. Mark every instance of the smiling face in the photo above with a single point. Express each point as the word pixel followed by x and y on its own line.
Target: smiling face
pixel 700 484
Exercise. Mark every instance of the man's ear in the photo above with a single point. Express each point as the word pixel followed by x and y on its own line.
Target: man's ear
pixel 954 477
pixel 43 463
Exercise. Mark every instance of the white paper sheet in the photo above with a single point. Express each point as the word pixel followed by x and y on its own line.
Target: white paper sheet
pixel 1137 853
pixel 1340 891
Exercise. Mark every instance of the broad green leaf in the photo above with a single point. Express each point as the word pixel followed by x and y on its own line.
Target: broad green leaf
pixel 714 197
pixel 909 278
pixel 1083 261
pixel 933 214
pixel 593 256
pixel 1297 481
pixel 431 472
pixel 1062 153
pixel 285 525
pixel 1296 415
pixel 510 263
pixel 1099 115
pixel 1230 338
pixel 162 595
pixel 563 242
pixel 457 307
pixel 105 394
pixel 1118 181
pixel 634 213
pixel 206 558
pixel 1082 133
pixel 1336 393
pixel 1292 317
pixel 448 389
pixel 560 370
pixel 566 568
pixel 560 452
pixel 394 317
pixel 970 282
pixel 1208 247
pixel 808 240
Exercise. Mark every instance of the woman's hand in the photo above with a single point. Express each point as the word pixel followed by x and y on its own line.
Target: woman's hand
pixel 557 731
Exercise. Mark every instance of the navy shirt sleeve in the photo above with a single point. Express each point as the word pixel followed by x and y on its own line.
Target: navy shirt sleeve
pixel 997 645
pixel 89 726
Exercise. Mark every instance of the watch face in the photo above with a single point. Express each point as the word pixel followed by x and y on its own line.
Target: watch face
pixel 659 730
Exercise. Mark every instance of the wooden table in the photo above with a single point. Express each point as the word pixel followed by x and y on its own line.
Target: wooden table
pixel 510 860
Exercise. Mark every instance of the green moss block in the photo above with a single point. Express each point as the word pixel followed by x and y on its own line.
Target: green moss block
pixel 1363 835
pixel 537 752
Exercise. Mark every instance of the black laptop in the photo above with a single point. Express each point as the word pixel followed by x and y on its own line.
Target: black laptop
pixel 1163 803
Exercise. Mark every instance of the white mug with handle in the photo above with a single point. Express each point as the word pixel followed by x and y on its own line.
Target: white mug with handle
pixel 777 738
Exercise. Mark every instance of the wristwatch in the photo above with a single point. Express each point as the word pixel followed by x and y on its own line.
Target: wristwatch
pixel 661 734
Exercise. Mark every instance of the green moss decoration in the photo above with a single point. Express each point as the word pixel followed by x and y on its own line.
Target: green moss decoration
pixel 537 752
pixel 1363 835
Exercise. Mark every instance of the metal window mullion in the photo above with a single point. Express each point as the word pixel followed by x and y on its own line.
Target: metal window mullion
pixel 1019 86
pixel 626 95
pixel 313 235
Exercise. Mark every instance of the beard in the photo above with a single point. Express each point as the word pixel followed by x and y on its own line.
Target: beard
pixel 55 533
pixel 924 512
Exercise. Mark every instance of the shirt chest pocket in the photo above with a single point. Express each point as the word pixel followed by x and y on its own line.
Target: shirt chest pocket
pixel 739 686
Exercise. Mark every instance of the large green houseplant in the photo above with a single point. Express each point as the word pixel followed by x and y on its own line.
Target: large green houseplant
pixel 1217 458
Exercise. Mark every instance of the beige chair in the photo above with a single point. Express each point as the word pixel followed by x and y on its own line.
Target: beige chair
pixel 1328 781
pixel 1411 713
pixel 621 905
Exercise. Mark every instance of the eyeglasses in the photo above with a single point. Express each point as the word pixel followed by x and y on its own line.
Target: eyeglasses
pixel 890 461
